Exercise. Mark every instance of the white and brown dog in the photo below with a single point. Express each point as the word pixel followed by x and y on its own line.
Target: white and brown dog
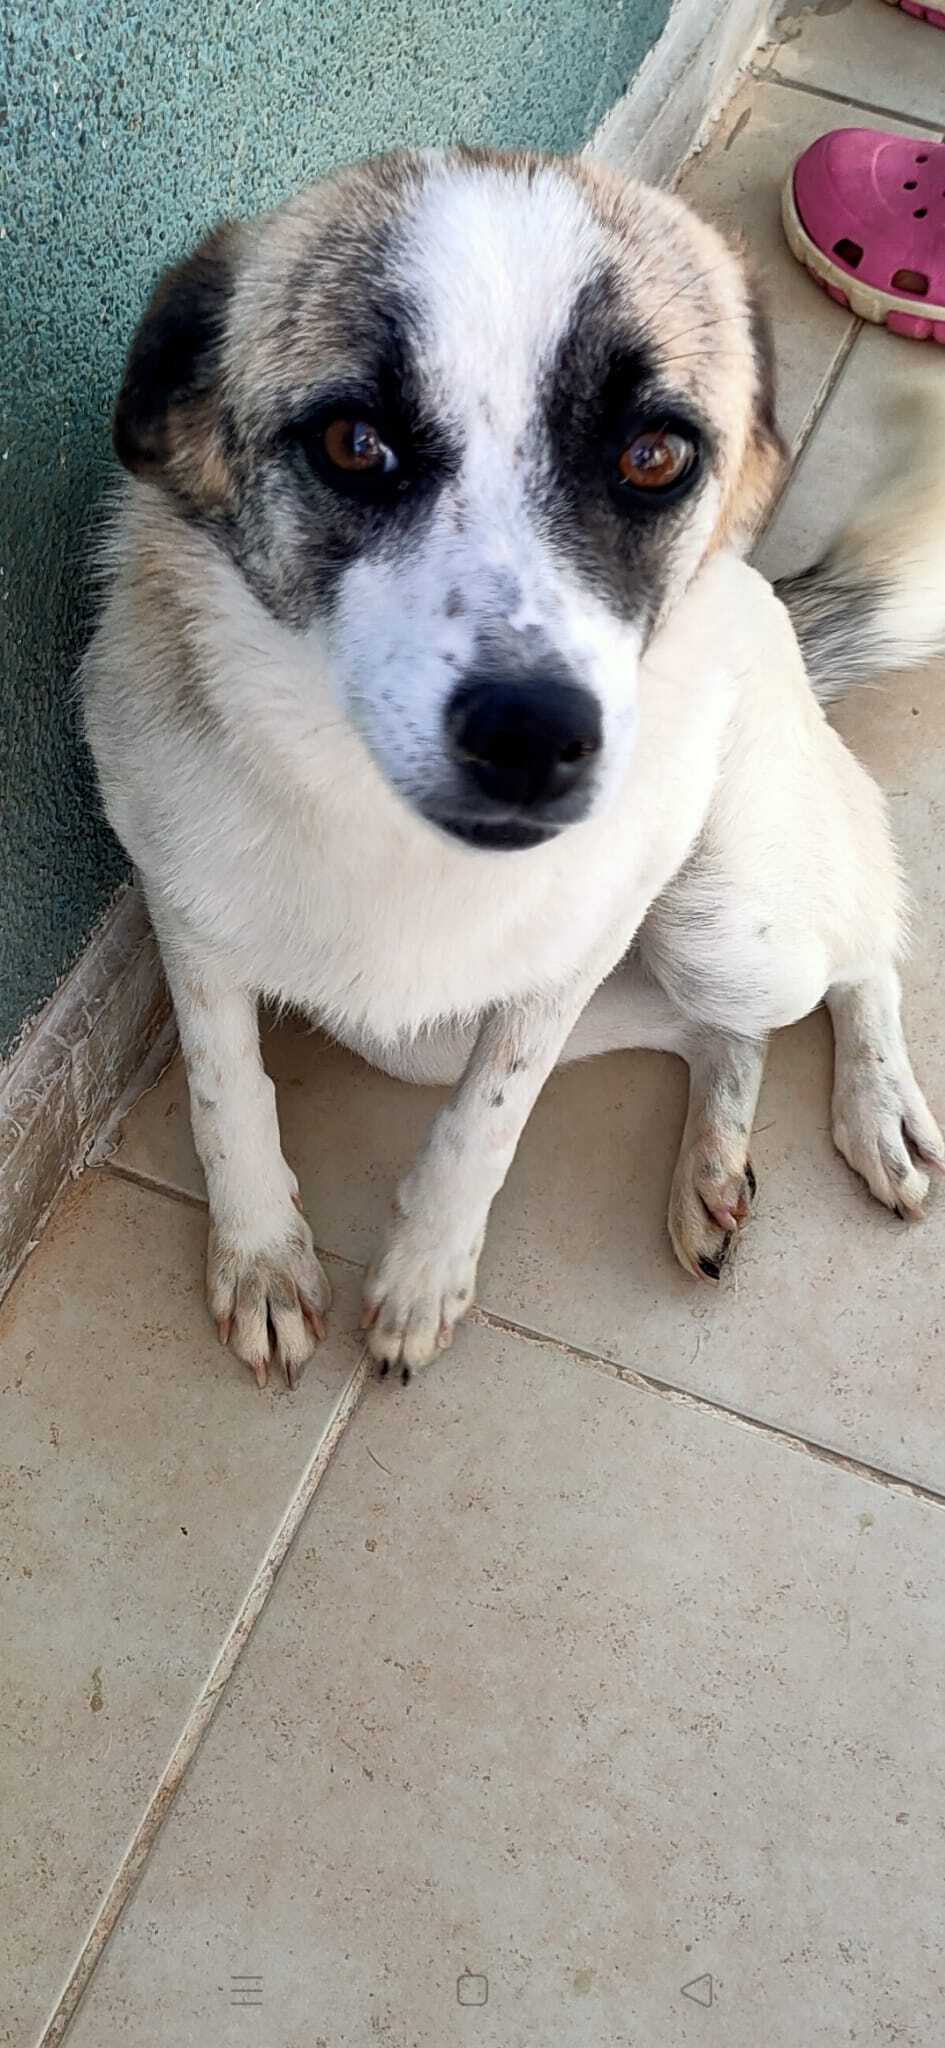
pixel 432 697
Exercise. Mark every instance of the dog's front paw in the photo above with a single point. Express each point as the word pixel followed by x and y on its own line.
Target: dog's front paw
pixel 416 1292
pixel 268 1304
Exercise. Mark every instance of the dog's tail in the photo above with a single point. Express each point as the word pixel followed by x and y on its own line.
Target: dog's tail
pixel 876 599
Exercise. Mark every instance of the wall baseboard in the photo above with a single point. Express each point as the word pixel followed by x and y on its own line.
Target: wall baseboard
pixel 108 1031
pixel 104 1036
pixel 681 87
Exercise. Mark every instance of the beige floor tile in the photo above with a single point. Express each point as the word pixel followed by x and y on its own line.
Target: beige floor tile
pixel 868 52
pixel 570 1697
pixel 850 444
pixel 737 183
pixel 831 1324
pixel 143 1478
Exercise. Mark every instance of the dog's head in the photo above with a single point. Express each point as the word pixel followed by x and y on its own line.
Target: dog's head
pixel 467 425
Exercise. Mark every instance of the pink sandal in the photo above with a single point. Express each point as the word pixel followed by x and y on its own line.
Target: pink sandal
pixel 864 211
pixel 932 14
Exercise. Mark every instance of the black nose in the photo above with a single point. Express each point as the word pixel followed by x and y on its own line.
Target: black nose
pixel 524 744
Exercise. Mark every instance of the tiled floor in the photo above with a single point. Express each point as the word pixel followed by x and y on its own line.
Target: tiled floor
pixel 601 1698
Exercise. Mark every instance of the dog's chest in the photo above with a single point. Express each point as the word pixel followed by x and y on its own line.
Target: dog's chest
pixel 324 890
pixel 380 933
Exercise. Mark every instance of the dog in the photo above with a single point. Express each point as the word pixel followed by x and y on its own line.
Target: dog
pixel 432 696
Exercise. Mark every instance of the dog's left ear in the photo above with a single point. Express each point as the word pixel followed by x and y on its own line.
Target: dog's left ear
pixel 753 488
pixel 167 419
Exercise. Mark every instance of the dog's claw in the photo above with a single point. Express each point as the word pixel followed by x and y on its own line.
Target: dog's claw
pixel 314 1319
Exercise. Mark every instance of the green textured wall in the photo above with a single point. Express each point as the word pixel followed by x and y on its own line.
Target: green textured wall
pixel 127 130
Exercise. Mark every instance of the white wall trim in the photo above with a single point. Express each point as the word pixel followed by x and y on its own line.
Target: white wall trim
pixel 106 1032
pixel 681 87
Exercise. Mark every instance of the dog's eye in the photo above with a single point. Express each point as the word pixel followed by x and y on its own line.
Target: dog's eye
pixel 656 460
pixel 355 447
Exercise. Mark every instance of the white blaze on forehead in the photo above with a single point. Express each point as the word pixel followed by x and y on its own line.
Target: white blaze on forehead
pixel 493 261
pixel 491 264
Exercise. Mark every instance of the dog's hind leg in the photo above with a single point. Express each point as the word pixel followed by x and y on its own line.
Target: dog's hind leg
pixel 713 1185
pixel 881 1123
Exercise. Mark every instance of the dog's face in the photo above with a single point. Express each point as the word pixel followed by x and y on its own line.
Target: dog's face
pixel 467 425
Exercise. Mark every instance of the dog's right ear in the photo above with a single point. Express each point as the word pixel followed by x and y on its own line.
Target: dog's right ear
pixel 167 420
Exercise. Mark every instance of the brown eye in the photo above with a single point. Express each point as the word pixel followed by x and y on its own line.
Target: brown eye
pixel 656 459
pixel 356 446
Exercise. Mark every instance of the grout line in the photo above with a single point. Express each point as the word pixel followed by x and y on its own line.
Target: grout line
pixel 822 398
pixel 646 1382
pixel 202 1712
pixel 839 99
pixel 650 1383
pixel 136 1179
pixel 149 1186
pixel 810 424
pixel 808 428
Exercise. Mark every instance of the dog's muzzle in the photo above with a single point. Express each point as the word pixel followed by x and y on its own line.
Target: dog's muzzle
pixel 524 755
